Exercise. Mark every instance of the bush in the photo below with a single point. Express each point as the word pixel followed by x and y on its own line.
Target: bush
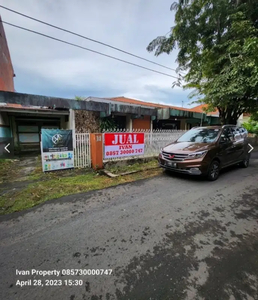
pixel 251 126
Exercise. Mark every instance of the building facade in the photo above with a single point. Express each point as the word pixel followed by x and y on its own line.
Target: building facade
pixel 6 67
pixel 6 80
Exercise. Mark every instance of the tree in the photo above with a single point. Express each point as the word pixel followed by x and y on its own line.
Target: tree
pixel 218 50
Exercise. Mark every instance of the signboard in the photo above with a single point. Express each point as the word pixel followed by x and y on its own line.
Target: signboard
pixel 123 144
pixel 57 149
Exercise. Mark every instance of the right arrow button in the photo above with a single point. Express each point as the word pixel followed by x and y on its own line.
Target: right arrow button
pixel 251 148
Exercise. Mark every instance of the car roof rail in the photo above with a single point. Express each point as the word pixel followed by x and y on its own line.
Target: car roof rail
pixel 223 126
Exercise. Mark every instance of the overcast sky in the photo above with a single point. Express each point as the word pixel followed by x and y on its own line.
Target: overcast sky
pixel 46 67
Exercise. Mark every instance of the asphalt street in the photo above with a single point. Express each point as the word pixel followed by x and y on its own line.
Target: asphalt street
pixel 168 237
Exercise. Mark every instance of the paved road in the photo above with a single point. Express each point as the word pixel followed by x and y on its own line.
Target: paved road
pixel 169 237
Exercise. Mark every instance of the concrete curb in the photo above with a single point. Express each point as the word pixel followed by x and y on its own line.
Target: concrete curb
pixel 112 175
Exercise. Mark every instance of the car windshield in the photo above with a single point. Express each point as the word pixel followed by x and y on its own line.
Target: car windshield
pixel 200 135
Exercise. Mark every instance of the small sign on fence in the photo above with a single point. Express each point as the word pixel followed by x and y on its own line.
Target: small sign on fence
pixel 57 149
pixel 123 144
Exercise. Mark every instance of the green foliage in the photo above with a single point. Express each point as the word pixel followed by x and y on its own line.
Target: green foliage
pixel 252 124
pixel 132 167
pixel 254 117
pixel 107 123
pixel 78 98
pixel 218 50
pixel 251 127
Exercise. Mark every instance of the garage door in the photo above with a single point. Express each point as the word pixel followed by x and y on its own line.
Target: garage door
pixel 29 136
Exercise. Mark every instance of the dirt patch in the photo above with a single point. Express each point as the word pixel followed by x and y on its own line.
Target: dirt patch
pixel 17 169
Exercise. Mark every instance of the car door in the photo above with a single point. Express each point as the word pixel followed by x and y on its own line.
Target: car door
pixel 238 142
pixel 226 147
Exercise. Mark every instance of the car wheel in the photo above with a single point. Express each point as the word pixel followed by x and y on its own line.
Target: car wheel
pixel 214 169
pixel 245 162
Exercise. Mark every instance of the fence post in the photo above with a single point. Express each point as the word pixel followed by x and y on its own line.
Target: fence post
pixel 96 147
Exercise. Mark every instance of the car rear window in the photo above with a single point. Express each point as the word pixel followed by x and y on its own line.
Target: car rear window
pixel 200 135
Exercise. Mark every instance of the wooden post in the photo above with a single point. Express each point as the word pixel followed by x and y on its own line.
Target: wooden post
pixel 96 147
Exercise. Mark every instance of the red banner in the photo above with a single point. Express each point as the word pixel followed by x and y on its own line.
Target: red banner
pixel 123 144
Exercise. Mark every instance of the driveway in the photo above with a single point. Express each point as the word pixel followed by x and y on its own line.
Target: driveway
pixel 169 237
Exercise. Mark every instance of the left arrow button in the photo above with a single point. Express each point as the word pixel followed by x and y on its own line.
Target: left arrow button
pixel 6 148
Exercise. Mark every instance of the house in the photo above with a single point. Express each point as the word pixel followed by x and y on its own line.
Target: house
pixel 140 118
pixel 25 123
pixel 201 108
pixel 168 116
pixel 22 116
pixel 208 118
pixel 26 114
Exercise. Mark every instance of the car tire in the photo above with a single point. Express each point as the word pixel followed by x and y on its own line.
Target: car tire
pixel 214 169
pixel 245 162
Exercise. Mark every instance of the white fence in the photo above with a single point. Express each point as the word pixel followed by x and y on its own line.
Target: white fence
pixel 82 156
pixel 153 140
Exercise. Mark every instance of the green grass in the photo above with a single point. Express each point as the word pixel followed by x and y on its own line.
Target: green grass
pixel 7 169
pixel 133 167
pixel 54 186
pixel 4 163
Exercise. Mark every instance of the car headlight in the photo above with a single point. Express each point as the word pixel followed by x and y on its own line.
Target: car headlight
pixel 196 155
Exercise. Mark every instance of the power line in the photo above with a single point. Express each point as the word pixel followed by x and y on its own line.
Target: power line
pixel 84 37
pixel 84 48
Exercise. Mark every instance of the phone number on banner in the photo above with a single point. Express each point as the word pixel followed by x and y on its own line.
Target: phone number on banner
pixel 124 152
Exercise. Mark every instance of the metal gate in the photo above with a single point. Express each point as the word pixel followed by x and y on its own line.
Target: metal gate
pixel 82 157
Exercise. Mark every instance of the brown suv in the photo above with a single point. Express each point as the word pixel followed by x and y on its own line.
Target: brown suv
pixel 206 150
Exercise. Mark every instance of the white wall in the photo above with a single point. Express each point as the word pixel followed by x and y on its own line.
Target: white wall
pixel 240 120
pixel 70 124
pixel 129 123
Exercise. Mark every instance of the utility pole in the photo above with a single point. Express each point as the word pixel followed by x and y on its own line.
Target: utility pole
pixel 201 119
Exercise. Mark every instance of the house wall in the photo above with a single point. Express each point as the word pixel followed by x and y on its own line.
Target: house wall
pixel 243 119
pixel 144 123
pixel 71 119
pixel 86 121
pixel 183 125
pixel 14 130
pixel 66 122
pixel 6 68
pixel 129 123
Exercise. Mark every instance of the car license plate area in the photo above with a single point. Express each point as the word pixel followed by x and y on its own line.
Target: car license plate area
pixel 171 164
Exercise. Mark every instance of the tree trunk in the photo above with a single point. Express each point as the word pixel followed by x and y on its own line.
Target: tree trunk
pixel 229 116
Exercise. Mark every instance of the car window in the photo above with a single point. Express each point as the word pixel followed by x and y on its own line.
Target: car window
pixel 243 131
pixel 227 135
pixel 236 133
pixel 200 135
